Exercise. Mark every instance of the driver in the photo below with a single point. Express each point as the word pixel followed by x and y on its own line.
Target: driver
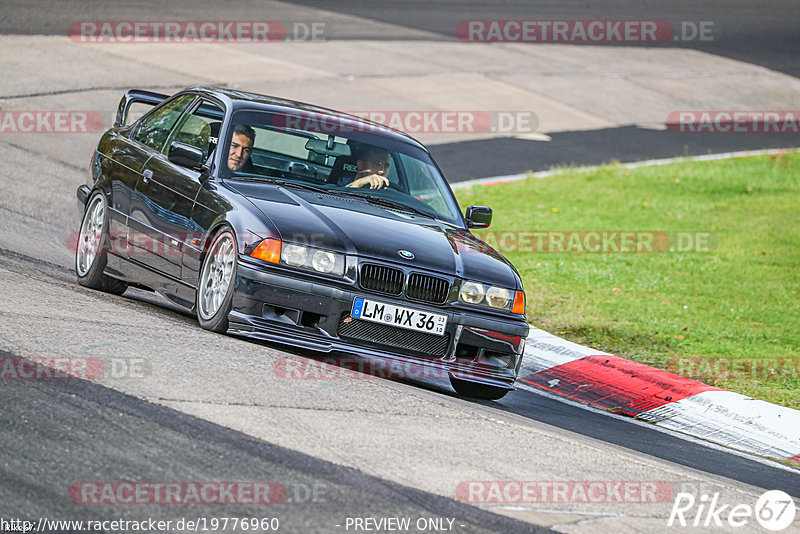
pixel 241 148
pixel 372 163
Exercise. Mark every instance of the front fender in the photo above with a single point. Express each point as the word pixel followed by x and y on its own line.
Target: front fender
pixel 217 205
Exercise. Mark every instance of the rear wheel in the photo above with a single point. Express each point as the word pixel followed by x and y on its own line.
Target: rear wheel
pixel 92 248
pixel 214 296
pixel 477 391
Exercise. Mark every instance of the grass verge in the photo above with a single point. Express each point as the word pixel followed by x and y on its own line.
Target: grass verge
pixel 715 297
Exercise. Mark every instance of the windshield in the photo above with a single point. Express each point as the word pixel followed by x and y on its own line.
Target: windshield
pixel 340 159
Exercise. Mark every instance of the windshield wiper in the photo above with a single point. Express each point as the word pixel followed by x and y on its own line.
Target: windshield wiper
pixel 300 185
pixel 386 203
pixel 278 181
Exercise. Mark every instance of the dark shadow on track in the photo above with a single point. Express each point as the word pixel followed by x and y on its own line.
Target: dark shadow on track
pixel 498 157
pixel 739 29
pixel 545 409
pixel 58 433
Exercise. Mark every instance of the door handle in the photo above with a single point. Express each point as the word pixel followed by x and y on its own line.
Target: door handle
pixel 146 175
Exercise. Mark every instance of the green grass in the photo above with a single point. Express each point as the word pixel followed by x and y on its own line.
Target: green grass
pixel 737 301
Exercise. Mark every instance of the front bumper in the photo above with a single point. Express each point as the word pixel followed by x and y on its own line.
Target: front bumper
pixel 316 315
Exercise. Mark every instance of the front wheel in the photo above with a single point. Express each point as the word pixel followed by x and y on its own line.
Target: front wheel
pixel 475 390
pixel 214 296
pixel 92 249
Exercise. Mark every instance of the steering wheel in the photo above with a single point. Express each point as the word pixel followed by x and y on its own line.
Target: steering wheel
pixel 396 187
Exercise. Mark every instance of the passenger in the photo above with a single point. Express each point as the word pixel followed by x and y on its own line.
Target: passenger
pixel 372 163
pixel 241 147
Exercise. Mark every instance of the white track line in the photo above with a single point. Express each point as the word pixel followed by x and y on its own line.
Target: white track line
pixel 669 431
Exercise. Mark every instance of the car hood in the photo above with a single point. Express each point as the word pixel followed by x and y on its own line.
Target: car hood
pixel 350 225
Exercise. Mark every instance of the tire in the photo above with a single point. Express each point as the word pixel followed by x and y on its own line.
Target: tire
pixel 214 296
pixel 475 390
pixel 92 248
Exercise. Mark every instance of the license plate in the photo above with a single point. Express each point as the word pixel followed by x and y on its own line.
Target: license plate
pixel 400 316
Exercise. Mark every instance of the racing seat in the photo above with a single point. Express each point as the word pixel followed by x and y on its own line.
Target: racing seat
pixel 213 139
pixel 344 171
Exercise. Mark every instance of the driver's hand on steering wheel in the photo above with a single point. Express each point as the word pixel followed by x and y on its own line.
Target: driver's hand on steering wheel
pixel 374 181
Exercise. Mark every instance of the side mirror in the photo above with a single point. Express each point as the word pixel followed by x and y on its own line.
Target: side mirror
pixel 185 155
pixel 479 216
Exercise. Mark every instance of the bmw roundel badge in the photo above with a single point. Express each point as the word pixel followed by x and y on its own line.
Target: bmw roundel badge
pixel 406 254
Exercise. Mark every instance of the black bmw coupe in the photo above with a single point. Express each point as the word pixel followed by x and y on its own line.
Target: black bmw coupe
pixel 296 224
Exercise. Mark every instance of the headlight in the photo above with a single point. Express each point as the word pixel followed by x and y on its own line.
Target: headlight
pixel 323 261
pixel 471 292
pixel 294 255
pixel 498 297
pixel 300 256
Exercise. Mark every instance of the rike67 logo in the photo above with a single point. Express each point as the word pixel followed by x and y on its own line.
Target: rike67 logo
pixel 774 510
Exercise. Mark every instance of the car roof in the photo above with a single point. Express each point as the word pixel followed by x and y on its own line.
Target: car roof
pixel 242 100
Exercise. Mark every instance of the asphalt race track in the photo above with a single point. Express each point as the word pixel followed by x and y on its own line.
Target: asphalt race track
pixel 764 35
pixel 741 30
pixel 57 433
pixel 70 429
pixel 176 404
pixel 590 147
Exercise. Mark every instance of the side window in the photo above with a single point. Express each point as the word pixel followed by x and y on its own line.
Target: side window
pixel 199 128
pixel 422 184
pixel 393 175
pixel 418 175
pixel 155 127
